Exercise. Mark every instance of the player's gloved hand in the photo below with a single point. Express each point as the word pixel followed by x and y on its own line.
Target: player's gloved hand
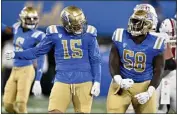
pixel 124 83
pixel 9 54
pixel 95 89
pixel 145 96
pixel 37 88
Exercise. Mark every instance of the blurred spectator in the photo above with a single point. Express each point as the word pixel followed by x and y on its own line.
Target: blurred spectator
pixel 6 64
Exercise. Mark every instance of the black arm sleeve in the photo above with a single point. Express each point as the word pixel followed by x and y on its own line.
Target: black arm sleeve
pixel 170 64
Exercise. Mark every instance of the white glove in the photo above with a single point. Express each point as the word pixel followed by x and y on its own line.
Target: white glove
pixel 95 89
pixel 37 88
pixel 124 83
pixel 9 54
pixel 145 96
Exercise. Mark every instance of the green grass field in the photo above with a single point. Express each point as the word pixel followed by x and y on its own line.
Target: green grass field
pixel 40 105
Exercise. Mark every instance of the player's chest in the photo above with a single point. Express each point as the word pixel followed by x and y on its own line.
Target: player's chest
pixel 70 41
pixel 136 52
pixel 24 40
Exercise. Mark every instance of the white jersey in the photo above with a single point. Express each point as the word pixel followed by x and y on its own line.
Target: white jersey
pixel 172 42
pixel 166 92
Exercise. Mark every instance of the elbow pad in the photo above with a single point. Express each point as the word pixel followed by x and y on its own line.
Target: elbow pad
pixel 170 64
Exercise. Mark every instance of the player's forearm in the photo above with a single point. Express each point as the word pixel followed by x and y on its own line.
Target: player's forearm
pixel 114 62
pixel 96 71
pixel 40 63
pixel 157 77
pixel 95 62
pixel 26 55
pixel 114 70
pixel 158 69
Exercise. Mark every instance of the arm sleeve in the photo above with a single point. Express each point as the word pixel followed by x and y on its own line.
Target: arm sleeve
pixel 40 60
pixel 39 71
pixel 95 60
pixel 42 48
pixel 170 64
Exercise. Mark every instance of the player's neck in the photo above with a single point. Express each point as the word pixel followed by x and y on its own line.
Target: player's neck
pixel 139 39
pixel 25 29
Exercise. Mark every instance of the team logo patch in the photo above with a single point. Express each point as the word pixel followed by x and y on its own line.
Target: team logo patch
pixel 124 45
pixel 60 35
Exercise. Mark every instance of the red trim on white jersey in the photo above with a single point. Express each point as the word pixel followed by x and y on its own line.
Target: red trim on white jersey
pixel 172 25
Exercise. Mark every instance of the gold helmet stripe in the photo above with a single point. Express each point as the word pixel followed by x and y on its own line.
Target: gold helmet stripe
pixel 118 34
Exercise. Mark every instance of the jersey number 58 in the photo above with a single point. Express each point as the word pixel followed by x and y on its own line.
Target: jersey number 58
pixel 139 63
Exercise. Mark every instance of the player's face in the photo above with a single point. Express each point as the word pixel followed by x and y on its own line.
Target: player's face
pixel 30 22
pixel 29 18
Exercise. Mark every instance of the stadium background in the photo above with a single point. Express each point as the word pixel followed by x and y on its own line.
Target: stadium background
pixel 106 16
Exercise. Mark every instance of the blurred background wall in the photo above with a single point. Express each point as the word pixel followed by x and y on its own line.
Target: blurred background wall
pixel 106 16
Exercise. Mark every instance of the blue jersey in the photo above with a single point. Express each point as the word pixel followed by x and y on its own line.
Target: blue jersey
pixel 77 57
pixel 25 40
pixel 137 59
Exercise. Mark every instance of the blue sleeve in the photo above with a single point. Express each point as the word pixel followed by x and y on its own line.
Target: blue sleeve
pixel 40 61
pixel 42 48
pixel 3 27
pixel 161 49
pixel 95 60
pixel 39 70
pixel 41 36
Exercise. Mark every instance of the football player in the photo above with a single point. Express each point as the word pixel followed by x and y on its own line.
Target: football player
pixel 77 58
pixel 168 31
pixel 18 86
pixel 136 64
pixel 167 89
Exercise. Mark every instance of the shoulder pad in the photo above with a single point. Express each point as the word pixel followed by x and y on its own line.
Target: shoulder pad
pixel 37 33
pixel 15 27
pixel 159 42
pixel 117 35
pixel 92 30
pixel 154 34
pixel 163 36
pixel 52 29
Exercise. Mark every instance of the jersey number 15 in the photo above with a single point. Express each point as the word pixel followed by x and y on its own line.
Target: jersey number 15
pixel 76 52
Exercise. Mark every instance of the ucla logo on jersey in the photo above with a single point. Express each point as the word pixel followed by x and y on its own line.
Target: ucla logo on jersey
pixel 60 35
pixel 124 45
